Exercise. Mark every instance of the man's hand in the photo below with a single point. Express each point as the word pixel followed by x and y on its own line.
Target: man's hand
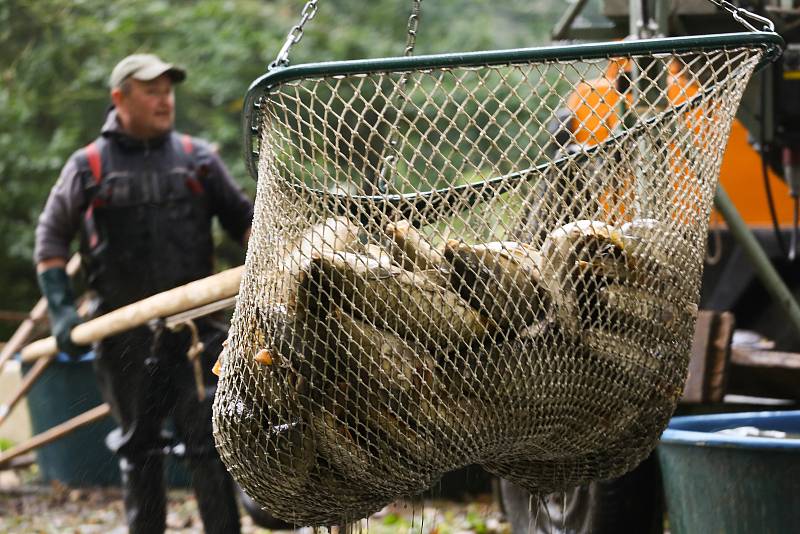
pixel 56 288
pixel 62 327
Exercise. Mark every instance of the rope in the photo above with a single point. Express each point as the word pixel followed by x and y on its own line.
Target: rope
pixel 196 348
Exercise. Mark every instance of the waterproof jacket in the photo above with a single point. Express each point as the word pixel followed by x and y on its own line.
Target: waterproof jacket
pixel 144 211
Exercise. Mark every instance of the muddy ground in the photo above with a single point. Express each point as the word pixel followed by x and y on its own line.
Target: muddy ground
pixel 28 507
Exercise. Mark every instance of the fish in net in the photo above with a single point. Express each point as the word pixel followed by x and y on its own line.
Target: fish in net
pixel 444 284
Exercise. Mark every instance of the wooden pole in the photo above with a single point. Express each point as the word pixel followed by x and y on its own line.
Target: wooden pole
pixel 55 433
pixel 11 316
pixel 192 295
pixel 31 377
pixel 23 332
pixel 39 312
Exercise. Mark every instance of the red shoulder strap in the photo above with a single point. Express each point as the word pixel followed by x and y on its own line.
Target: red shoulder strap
pixel 194 185
pixel 93 157
pixel 95 165
pixel 186 142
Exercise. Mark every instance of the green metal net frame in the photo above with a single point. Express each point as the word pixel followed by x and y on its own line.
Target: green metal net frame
pixel 301 412
pixel 262 86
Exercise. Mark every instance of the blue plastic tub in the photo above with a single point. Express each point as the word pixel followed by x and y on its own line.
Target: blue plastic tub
pixel 80 459
pixel 64 390
pixel 717 483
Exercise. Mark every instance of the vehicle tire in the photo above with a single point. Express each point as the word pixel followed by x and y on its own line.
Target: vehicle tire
pixel 261 517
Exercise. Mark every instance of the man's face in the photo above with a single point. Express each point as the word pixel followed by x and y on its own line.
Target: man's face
pixel 146 109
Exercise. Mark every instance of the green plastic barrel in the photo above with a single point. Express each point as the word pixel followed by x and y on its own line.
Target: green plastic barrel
pixel 80 459
pixel 727 484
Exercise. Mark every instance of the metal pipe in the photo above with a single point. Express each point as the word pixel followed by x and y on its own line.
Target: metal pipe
pixel 637 23
pixel 663 9
pixel 764 269
pixel 562 27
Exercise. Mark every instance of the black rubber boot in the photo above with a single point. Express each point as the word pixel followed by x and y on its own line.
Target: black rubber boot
pixel 216 497
pixel 145 496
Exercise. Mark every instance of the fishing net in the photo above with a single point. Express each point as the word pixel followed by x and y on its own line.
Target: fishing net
pixel 484 259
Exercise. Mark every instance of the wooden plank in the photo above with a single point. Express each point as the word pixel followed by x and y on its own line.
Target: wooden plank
pixel 55 433
pixel 192 295
pixel 42 363
pixel 765 358
pixel 12 316
pixel 202 311
pixel 719 358
pixel 709 358
pixel 693 388
pixel 762 373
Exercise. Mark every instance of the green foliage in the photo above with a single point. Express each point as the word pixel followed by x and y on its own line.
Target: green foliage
pixel 391 519
pixel 57 54
pixel 477 522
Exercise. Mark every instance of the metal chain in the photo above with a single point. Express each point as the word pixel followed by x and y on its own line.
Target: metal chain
pixel 295 34
pixel 413 25
pixel 411 42
pixel 740 15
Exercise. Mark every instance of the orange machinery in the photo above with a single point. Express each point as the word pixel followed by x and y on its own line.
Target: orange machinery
pixel 742 178
pixel 594 106
pixel 730 280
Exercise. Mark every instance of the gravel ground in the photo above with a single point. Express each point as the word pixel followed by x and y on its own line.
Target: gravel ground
pixel 30 508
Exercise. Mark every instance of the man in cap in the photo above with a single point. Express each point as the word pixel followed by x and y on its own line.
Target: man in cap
pixel 143 197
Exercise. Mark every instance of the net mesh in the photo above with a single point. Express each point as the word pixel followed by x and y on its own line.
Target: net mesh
pixel 495 265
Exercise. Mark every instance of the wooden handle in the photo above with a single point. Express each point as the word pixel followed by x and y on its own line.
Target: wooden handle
pixel 55 433
pixel 192 295
pixel 30 377
pixel 23 332
pixel 39 311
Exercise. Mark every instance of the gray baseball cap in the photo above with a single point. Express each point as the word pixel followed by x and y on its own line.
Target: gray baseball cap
pixel 144 67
